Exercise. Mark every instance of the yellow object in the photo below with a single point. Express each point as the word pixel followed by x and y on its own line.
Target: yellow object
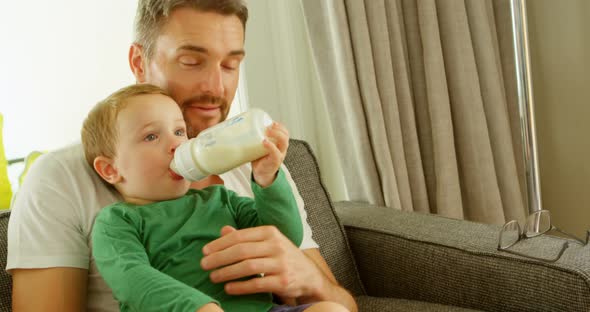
pixel 28 162
pixel 5 188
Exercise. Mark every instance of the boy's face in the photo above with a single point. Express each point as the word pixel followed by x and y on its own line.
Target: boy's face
pixel 150 128
pixel 197 60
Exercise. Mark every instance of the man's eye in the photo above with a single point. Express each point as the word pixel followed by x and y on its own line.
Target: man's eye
pixel 150 137
pixel 180 132
pixel 231 65
pixel 188 61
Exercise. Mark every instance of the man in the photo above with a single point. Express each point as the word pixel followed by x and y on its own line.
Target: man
pixel 193 50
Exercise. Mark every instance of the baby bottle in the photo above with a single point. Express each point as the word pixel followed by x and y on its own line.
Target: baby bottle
pixel 225 146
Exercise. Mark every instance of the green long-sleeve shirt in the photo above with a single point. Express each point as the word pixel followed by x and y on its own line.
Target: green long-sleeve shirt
pixel 150 255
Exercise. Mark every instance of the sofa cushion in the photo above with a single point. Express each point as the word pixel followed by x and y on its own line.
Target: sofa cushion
pixel 327 229
pixel 5 279
pixel 377 304
pixel 454 262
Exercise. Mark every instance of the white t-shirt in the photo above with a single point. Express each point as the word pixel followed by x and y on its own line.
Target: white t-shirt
pixel 54 211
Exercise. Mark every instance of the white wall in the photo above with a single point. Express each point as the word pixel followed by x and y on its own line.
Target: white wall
pixel 558 34
pixel 57 59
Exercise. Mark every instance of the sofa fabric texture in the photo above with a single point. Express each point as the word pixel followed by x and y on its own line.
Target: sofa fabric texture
pixel 400 261
pixel 326 228
pixel 435 259
pixel 5 279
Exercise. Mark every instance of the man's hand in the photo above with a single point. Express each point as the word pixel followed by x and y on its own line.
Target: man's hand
pixel 288 272
pixel 265 168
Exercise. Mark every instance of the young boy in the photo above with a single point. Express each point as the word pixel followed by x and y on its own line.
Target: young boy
pixel 148 247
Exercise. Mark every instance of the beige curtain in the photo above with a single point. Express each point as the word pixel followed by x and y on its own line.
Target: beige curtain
pixel 422 101
pixel 282 80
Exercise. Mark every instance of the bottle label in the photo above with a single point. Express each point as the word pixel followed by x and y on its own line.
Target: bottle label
pixel 211 136
pixel 208 140
pixel 235 120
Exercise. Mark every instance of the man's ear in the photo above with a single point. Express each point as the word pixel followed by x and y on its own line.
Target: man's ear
pixel 105 168
pixel 137 62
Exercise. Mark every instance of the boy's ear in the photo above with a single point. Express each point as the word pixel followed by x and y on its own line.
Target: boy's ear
pixel 137 62
pixel 105 168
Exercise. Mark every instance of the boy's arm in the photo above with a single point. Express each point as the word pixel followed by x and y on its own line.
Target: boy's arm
pixel 272 205
pixel 125 266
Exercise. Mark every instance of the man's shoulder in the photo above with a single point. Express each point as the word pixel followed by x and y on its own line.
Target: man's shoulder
pixel 71 156
pixel 64 166
pixel 65 172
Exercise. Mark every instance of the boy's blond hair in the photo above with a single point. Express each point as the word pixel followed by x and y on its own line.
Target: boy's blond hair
pixel 99 131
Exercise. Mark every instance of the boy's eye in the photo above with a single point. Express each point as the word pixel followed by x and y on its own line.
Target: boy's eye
pixel 180 132
pixel 150 137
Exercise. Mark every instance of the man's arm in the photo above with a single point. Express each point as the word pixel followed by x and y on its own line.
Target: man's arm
pixel 288 271
pixel 47 246
pixel 54 289
pixel 331 291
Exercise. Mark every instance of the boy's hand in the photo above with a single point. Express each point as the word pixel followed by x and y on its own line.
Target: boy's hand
pixel 265 168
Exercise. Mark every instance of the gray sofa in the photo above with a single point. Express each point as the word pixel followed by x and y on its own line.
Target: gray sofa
pixel 400 261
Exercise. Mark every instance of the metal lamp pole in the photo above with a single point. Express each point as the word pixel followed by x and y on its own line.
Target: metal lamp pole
pixel 525 103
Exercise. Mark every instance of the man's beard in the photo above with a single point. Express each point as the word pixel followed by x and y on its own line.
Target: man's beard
pixel 202 99
pixel 190 131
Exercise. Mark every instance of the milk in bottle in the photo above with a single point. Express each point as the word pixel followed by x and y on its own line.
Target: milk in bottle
pixel 225 146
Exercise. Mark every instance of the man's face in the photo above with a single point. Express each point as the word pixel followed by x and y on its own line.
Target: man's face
pixel 197 60
pixel 149 129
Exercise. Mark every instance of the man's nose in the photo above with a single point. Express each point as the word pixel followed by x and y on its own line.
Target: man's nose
pixel 212 83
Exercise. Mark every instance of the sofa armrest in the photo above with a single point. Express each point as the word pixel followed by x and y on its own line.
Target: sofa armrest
pixel 454 262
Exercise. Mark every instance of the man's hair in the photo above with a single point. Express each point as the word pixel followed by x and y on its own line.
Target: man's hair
pixel 99 131
pixel 151 15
